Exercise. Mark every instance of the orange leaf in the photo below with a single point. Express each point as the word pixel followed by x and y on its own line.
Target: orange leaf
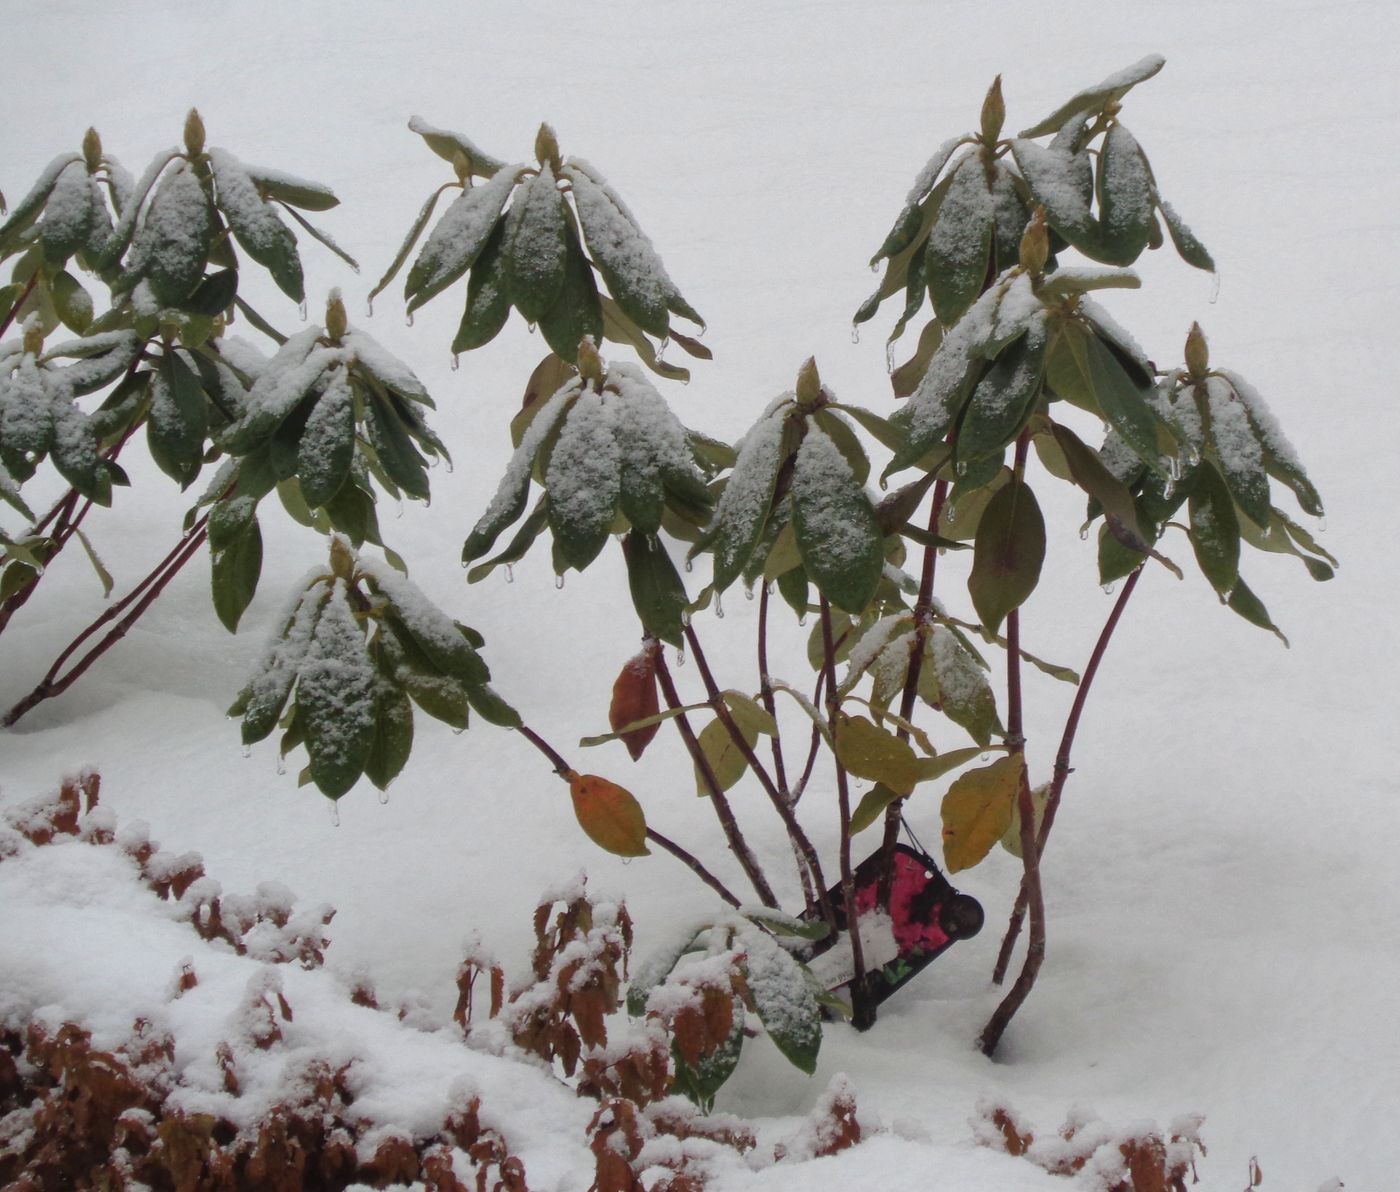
pixel 610 815
pixel 634 698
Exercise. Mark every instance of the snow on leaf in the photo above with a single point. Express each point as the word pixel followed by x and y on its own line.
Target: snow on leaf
pixel 335 696
pixel 256 223
pixel 744 505
pixel 1238 449
pixel 173 243
pixel 869 646
pixel 327 443
pixel 68 214
pixel 784 1000
pixel 266 691
pixel 458 238
pixel 390 370
pixel 836 528
pixel 430 627
pixel 583 480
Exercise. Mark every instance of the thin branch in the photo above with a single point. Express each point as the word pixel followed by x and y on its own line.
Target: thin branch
pixel 781 803
pixel 563 769
pixel 1062 765
pixel 862 1005
pixel 19 302
pixel 732 834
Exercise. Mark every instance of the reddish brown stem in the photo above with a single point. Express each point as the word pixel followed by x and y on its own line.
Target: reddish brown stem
pixel 23 298
pixel 862 1004
pixel 563 769
pixel 1063 768
pixel 732 834
pixel 148 591
pixel 780 802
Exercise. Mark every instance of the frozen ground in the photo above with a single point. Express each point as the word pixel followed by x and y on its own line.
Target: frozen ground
pixel 1224 910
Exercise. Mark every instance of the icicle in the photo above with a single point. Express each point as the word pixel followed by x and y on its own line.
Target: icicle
pixel 748 591
pixel 1084 532
pixel 369 308
pixel 689 566
pixel 281 765
pixel 719 607
pixel 383 798
pixel 456 361
pixel 627 860
pixel 855 335
pixel 559 582
pixel 1108 589
pixel 661 349
pixel 685 618
pixel 1215 289
pixel 680 655
pixel 301 310
pixel 335 814
pixel 1322 523
pixel 875 267
pixel 408 319
pixel 768 587
pixel 457 732
pixel 247 751
pixel 802 618
pixel 960 468
pixel 510 574
pixel 950 514
pixel 889 357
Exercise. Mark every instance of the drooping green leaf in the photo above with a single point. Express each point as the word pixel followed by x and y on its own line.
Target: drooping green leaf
pixel 583 480
pixel 576 311
pixel 1125 197
pixel 1093 99
pixel 173 243
pixel 1237 450
pixel 26 211
pixel 658 593
pixel 1215 530
pixel 1085 367
pixel 871 806
pixel 326 447
pixel 535 250
pixel 952 680
pixel 296 192
pixel 745 504
pixel 394 447
pixel 262 700
pixel 1007 554
pixel 178 422
pixel 447 145
pixel 1055 175
pixel 488 303
pixel 256 225
pixel 519 544
pixel 1003 400
pixel 235 557
pixel 491 707
pixel 1251 608
pixel 458 239
pixel 837 532
pixel 335 697
pixel 71 301
pixel 959 244
pixel 869 751
pixel 726 760
pixel 907 224
pixel 415 230
pixel 1187 246
pixel 784 1000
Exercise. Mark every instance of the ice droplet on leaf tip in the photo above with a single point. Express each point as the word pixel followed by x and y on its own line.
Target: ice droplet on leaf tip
pixel 530 327
pixel 1322 523
pixel 559 582
pixel 689 566
pixel 335 814
pixel 719 607
pixel 855 335
pixel 456 361
pixel 748 591
pixel 1215 289
pixel 685 618
pixel 301 310
pixel 1108 589
pixel 369 308
pixel 408 319
pixel 680 657
pixel 281 766
pixel 247 751
pixel 383 798
pixel 510 574
pixel 1084 533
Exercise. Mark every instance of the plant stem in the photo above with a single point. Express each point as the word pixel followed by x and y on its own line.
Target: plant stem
pixel 1030 853
pixel 862 1005
pixel 780 802
pixel 737 844
pixel 139 599
pixel 23 298
pixel 563 769
pixel 1062 766
pixel 923 622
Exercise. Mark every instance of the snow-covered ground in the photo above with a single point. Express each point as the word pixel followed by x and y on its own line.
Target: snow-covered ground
pixel 1224 913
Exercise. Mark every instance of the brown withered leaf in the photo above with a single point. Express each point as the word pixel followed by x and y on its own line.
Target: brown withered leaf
pixel 634 697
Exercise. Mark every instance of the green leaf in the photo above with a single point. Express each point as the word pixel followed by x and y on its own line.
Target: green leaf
pixel 744 507
pixel 26 211
pixel 321 237
pixel 174 241
pixel 1089 473
pixel 71 301
pixel 488 303
pixel 619 328
pixel 784 1000
pixel 576 310
pixel 415 230
pixel 977 811
pixel 1085 367
pixel 326 447
pixel 658 593
pixel 256 225
pixel 1055 176
pixel 751 717
pixel 104 577
pixel 1188 248
pixel 297 192
pixel 214 294
pixel 960 242
pixel 235 558
pixel 847 442
pixel 1093 99
pixel 263 699
pixel 952 679
pixel 517 547
pixel 644 722
pixel 178 421
pixel 837 532
pixel 394 447
pixel 1003 401
pixel 786 926
pixel 1251 608
pixel 726 759
pixel 335 699
pixel 1007 554
pixel 910 220
pixel 1215 530
pixel 1125 197
pixel 447 145
pixel 458 239
pixel 871 806
pixel 583 481
pixel 535 250
pixel 491 707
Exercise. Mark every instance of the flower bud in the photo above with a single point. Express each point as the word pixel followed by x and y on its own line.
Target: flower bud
pixel 1197 354
pixel 1035 244
pixel 336 322
pixel 462 165
pixel 34 334
pixel 547 148
pixel 342 558
pixel 590 364
pixel 194 133
pixel 809 384
pixel 993 113
pixel 92 150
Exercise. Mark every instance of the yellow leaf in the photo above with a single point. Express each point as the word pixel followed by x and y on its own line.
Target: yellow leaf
pixel 751 717
pixel 869 751
pixel 977 811
pixel 726 760
pixel 610 815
